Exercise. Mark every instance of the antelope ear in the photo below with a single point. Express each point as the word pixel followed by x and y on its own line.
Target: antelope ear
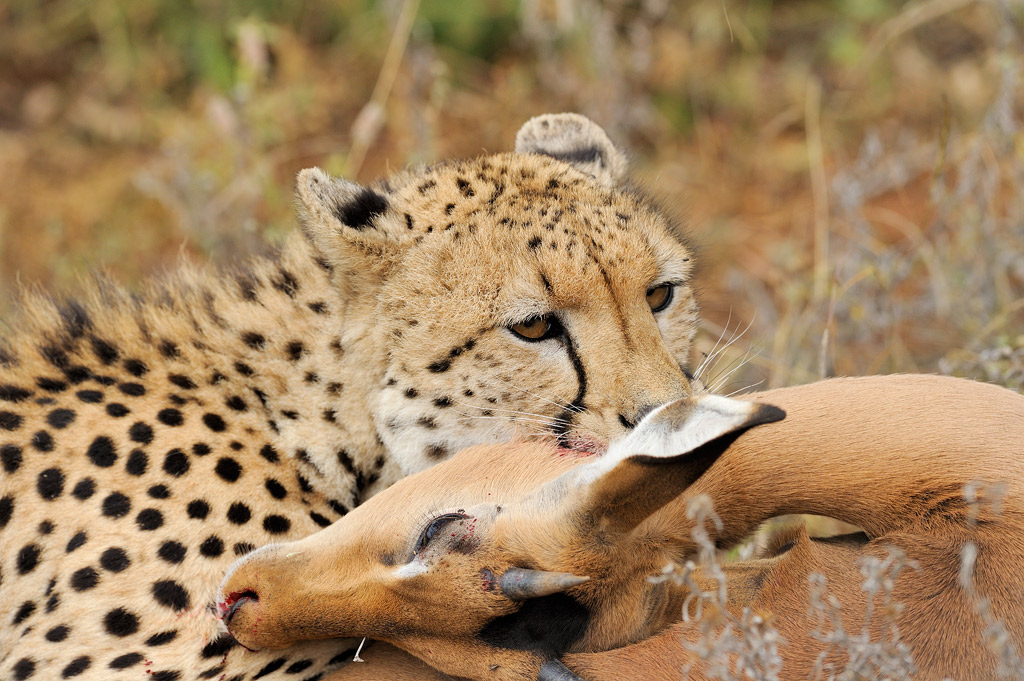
pixel 350 225
pixel 664 455
pixel 576 140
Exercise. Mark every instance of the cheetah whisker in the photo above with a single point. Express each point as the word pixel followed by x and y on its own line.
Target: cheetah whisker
pixel 732 368
pixel 710 355
pixel 559 403
pixel 736 337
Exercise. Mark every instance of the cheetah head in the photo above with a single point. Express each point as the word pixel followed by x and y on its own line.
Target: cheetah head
pixel 514 295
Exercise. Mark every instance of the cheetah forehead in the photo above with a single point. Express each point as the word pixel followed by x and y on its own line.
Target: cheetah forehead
pixel 509 190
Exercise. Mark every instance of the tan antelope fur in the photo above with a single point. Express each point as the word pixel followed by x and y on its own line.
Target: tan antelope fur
pixel 889 454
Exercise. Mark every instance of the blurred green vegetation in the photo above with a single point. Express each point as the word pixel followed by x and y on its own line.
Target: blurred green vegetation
pixel 852 168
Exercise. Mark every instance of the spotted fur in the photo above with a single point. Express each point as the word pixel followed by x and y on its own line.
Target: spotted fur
pixel 149 439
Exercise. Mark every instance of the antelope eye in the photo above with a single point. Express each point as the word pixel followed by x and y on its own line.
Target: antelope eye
pixel 659 297
pixel 435 526
pixel 538 328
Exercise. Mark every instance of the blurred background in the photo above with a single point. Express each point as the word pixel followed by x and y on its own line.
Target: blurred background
pixel 853 170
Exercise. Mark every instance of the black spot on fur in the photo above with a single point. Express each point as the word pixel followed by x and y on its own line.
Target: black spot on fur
pixel 172 552
pixel 141 432
pixel 136 367
pixel 269 453
pixel 42 441
pixel 319 519
pixel 212 546
pixel 254 340
pixel 237 403
pixel 276 524
pixel 242 548
pixel 440 366
pixel 138 462
pixel 104 351
pixel 183 382
pixel 84 489
pixel 318 307
pixel 162 638
pixel 149 519
pixel 90 396
pixel 275 488
pixel 51 385
pixel 125 661
pixel 120 622
pixel 159 492
pixel 286 283
pixel 114 559
pixel 176 463
pixel 23 669
pixel 132 389
pixel 215 423
pixel 169 349
pixel 411 393
pixel 198 509
pixel 10 457
pixel 170 594
pixel 218 646
pixel 228 469
pixel 12 393
pixel 60 418
pixel 116 505
pixel 173 675
pixel 436 452
pixel 23 612
pixel 359 212
pixel 298 667
pixel 239 513
pixel 170 417
pixel 101 452
pixel 6 510
pixel 244 369
pixel 84 579
pixel 295 350
pixel 117 410
pixel 50 483
pixel 76 667
pixel 58 633
pixel 76 541
pixel 270 668
pixel 10 421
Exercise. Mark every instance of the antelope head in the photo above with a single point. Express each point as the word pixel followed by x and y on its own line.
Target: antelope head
pixel 527 553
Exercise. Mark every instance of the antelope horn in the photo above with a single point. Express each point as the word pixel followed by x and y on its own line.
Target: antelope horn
pixel 554 670
pixel 520 584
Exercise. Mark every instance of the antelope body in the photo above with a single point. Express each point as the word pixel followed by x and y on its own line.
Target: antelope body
pixel 429 564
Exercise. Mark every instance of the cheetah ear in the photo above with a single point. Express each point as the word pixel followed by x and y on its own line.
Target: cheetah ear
pixel 348 223
pixel 576 140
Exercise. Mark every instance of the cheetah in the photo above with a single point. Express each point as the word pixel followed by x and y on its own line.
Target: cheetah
pixel 150 439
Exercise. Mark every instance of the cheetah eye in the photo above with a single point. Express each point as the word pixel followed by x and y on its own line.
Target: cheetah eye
pixel 435 526
pixel 659 297
pixel 538 328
